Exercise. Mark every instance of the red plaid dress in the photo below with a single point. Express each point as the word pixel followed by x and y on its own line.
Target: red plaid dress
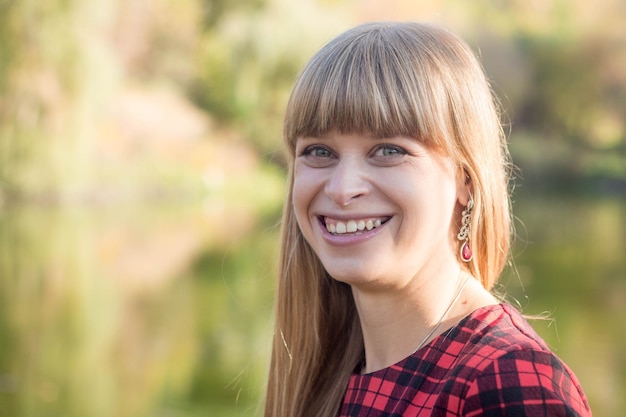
pixel 490 364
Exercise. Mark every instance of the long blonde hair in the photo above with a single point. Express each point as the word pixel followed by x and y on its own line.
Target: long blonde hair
pixel 386 79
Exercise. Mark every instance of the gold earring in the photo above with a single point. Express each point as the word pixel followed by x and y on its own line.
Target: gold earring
pixel 464 233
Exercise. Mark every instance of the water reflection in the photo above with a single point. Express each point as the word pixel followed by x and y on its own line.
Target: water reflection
pixel 132 313
pixel 573 266
pixel 144 312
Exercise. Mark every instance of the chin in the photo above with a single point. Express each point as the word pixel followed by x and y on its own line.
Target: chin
pixel 352 276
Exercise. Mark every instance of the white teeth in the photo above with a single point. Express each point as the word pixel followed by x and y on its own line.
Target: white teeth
pixel 352 226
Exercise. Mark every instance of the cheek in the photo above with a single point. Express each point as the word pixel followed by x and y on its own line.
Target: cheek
pixel 305 186
pixel 427 200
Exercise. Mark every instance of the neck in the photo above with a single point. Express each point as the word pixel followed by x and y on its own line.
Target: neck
pixel 396 323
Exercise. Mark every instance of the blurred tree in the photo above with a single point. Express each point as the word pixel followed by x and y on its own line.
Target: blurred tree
pixel 560 64
pixel 574 101
pixel 560 67
pixel 50 79
pixel 248 62
pixel 215 10
pixel 565 89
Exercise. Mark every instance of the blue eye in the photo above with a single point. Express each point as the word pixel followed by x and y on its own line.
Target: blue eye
pixel 387 150
pixel 318 152
pixel 318 155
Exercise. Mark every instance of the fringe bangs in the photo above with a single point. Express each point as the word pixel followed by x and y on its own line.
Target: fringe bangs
pixel 361 85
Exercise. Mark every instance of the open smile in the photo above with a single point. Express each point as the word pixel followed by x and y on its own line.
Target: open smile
pixel 352 226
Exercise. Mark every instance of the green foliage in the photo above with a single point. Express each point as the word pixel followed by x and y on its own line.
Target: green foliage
pixel 249 60
pixel 569 94
pixel 560 66
pixel 216 10
pixel 559 69
pixel 44 85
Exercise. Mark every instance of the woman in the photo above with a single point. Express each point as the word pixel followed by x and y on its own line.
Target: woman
pixel 396 227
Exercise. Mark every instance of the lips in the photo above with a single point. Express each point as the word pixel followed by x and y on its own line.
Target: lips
pixel 352 226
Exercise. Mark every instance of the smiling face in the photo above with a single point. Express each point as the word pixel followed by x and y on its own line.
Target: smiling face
pixel 377 212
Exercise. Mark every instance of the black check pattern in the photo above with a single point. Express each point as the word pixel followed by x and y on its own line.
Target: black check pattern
pixel 490 364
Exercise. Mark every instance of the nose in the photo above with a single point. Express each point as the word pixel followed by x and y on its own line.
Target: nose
pixel 347 182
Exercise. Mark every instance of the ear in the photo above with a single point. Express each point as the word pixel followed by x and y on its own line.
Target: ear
pixel 464 186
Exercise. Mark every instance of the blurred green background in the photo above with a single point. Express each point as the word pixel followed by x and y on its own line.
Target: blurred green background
pixel 141 182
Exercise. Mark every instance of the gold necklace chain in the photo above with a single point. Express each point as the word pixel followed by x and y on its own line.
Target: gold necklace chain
pixel 455 299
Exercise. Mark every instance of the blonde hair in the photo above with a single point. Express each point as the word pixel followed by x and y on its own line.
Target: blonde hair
pixel 385 79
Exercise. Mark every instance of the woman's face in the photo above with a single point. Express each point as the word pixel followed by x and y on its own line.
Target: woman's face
pixel 377 212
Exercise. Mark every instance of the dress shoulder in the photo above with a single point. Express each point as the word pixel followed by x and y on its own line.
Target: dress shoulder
pixel 505 368
pixel 491 363
pixel 525 383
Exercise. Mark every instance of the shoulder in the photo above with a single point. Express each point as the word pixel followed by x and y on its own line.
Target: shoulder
pixel 525 382
pixel 494 331
pixel 505 368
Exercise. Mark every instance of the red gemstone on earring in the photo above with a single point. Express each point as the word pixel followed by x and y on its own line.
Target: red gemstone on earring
pixel 466 252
